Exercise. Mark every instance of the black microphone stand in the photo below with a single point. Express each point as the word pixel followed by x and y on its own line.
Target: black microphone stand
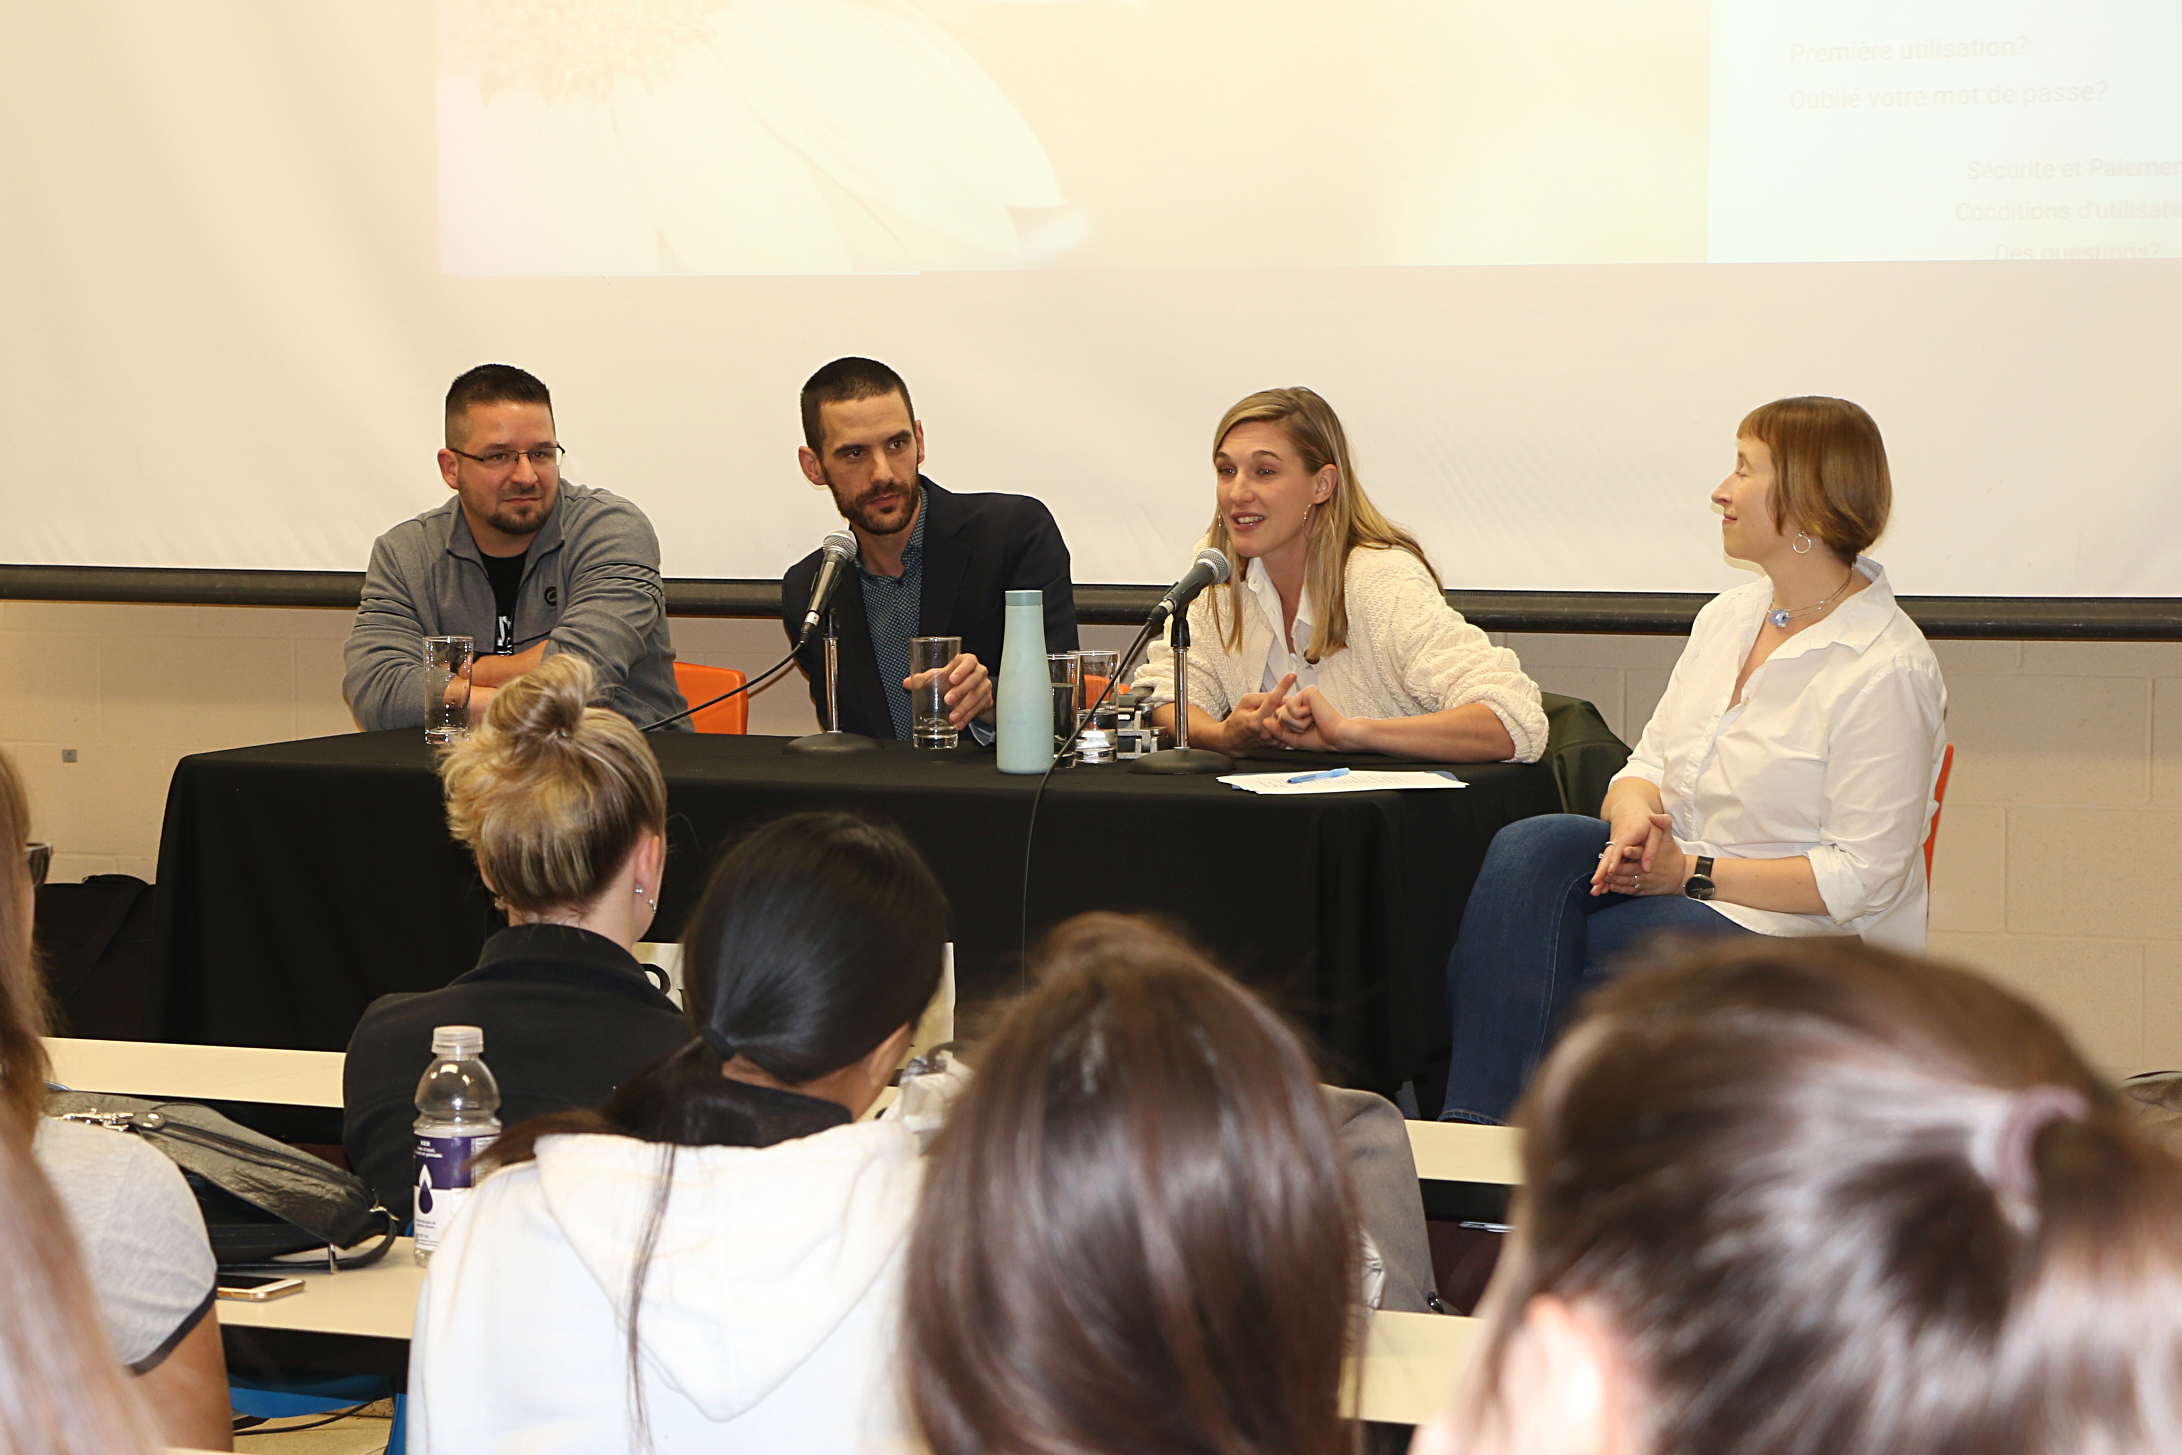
pixel 832 740
pixel 1181 758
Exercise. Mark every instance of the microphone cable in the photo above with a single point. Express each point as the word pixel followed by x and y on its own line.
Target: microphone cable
pixel 1030 829
pixel 749 685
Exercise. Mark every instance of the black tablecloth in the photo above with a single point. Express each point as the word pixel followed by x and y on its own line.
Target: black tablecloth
pixel 300 880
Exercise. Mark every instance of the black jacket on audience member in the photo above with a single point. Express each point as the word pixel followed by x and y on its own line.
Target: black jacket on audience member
pixel 567 1015
pixel 977 548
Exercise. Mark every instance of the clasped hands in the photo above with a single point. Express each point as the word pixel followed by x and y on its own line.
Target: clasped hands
pixel 969 691
pixel 1306 720
pixel 1641 857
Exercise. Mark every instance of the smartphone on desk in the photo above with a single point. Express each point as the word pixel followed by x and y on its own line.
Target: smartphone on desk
pixel 257 1288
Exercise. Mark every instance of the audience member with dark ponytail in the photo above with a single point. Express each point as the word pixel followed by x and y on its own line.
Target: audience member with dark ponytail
pixel 1135 1238
pixel 1810 1198
pixel 713 1260
pixel 562 804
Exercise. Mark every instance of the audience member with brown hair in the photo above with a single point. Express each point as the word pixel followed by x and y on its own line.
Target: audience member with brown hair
pixel 713 1260
pixel 1134 1237
pixel 141 1239
pixel 1822 1199
pixel 60 1392
pixel 1782 787
pixel 564 808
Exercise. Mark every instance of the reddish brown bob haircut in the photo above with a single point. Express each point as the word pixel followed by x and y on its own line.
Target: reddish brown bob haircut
pixel 1830 474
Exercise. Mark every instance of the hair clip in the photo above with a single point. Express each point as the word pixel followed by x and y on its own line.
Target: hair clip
pixel 2003 1152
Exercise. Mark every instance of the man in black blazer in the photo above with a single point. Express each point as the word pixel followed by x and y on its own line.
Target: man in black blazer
pixel 930 563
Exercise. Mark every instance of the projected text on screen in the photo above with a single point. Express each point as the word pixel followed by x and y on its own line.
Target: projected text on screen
pixel 629 137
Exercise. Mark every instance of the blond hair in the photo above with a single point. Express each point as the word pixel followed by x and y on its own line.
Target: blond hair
pixel 1346 521
pixel 22 995
pixel 552 794
pixel 1829 469
pixel 62 1391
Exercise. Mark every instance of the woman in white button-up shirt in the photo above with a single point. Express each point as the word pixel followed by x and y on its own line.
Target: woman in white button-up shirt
pixel 1335 633
pixel 1782 787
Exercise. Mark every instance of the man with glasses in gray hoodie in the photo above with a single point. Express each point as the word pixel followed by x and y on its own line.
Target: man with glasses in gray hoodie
pixel 521 561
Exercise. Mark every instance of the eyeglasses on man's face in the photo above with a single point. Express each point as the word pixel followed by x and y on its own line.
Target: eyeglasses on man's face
pixel 545 457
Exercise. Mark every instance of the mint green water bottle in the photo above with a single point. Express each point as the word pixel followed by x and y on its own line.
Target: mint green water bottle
pixel 1024 698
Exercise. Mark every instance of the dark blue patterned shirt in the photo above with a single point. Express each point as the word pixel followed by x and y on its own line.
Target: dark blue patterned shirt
pixel 892 607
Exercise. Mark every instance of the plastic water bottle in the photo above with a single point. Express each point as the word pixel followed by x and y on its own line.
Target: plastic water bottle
pixel 457 1118
pixel 1024 699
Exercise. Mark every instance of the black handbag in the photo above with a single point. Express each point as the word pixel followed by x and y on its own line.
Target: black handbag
pixel 261 1199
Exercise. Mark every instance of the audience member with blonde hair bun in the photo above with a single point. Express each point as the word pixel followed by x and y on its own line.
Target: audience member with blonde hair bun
pixel 1821 1199
pixel 561 802
pixel 81 1204
pixel 1333 632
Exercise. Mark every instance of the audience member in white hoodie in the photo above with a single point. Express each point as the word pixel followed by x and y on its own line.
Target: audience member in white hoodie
pixel 713 1261
pixel 1135 1238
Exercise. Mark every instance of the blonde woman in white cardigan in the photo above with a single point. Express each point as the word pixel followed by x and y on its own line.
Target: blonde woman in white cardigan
pixel 1334 633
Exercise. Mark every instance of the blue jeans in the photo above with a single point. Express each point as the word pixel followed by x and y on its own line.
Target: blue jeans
pixel 1534 938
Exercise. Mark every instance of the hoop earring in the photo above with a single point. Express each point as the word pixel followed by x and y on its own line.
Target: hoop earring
pixel 1801 545
pixel 649 902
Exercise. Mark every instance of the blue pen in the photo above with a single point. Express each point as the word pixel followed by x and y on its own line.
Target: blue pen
pixel 1315 777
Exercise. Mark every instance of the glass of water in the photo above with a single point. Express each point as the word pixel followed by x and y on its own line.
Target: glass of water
pixel 447 662
pixel 928 724
pixel 1067 683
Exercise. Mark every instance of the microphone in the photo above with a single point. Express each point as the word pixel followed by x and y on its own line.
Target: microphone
pixel 839 549
pixel 1209 569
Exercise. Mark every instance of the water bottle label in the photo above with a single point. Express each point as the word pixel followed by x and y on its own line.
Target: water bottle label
pixel 444 1181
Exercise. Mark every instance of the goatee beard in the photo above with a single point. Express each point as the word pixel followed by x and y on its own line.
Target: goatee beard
pixel 515 525
pixel 858 514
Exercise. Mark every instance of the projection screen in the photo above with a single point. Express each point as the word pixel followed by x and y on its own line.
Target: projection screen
pixel 1541 256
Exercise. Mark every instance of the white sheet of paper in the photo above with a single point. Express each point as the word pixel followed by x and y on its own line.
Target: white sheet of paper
pixel 1356 780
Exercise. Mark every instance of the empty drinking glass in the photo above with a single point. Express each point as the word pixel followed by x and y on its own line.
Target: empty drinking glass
pixel 447 662
pixel 928 724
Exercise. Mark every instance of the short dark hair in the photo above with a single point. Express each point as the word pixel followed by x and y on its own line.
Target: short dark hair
pixel 492 384
pixel 844 380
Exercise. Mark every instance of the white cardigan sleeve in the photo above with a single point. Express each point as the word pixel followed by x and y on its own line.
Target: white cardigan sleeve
pixel 1208 654
pixel 1445 662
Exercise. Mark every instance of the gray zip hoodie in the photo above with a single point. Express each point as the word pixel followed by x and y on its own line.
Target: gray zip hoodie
pixel 590 586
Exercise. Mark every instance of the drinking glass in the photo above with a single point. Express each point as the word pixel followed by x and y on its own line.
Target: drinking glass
pixel 1067 689
pixel 447 662
pixel 928 724
pixel 1094 669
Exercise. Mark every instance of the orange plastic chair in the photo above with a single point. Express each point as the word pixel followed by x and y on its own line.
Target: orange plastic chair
pixel 1939 799
pixel 699 683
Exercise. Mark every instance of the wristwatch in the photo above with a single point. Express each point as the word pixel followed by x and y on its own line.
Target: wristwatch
pixel 1700 885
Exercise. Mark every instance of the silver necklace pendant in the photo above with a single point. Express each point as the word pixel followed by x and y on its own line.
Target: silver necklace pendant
pixel 1778 616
